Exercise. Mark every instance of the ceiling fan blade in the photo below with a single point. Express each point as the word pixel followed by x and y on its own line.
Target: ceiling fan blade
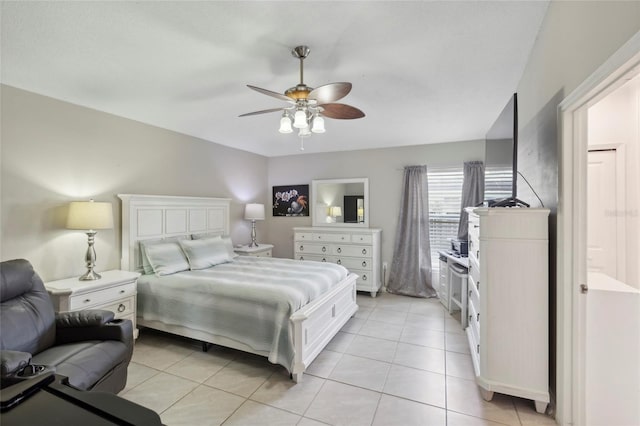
pixel 270 93
pixel 341 111
pixel 264 111
pixel 330 92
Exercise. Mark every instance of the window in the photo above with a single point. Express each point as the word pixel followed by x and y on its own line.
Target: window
pixel 497 182
pixel 445 197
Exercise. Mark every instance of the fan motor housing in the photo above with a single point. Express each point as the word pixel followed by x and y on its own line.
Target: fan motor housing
pixel 301 91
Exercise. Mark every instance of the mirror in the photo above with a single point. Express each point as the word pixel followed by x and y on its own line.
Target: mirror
pixel 340 202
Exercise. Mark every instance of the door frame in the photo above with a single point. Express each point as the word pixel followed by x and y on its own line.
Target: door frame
pixel 572 225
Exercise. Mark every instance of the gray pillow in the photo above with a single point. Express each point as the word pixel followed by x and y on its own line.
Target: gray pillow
pixel 205 253
pixel 166 258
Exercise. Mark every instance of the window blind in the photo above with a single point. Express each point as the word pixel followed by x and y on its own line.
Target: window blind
pixel 445 194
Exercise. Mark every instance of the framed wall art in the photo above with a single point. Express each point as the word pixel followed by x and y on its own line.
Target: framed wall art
pixel 291 200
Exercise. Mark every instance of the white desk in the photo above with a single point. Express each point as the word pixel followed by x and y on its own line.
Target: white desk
pixel 455 293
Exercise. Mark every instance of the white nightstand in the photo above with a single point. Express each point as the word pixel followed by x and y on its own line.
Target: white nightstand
pixel 263 250
pixel 115 291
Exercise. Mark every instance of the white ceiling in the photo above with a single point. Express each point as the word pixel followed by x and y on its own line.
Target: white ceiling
pixel 423 72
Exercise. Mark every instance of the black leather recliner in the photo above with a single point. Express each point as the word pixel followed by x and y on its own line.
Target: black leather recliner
pixel 89 347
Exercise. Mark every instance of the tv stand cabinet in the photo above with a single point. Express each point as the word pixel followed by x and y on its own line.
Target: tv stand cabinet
pixel 508 303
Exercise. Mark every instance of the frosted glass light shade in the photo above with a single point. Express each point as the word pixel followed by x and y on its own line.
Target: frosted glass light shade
pixel 90 215
pixel 300 119
pixel 254 212
pixel 318 125
pixel 285 125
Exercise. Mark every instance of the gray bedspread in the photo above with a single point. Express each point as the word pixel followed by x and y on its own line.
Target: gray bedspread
pixel 248 300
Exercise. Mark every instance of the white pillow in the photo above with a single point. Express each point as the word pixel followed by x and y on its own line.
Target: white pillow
pixel 166 258
pixel 205 253
pixel 146 266
pixel 225 239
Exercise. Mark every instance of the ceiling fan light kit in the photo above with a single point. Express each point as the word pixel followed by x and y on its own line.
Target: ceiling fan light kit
pixel 308 105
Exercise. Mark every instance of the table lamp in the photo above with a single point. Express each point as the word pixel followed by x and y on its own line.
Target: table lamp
pixel 334 212
pixel 254 212
pixel 89 216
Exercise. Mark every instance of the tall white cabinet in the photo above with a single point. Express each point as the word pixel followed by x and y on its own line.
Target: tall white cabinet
pixel 357 249
pixel 508 302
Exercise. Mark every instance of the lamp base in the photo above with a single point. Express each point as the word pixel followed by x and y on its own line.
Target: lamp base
pixel 90 275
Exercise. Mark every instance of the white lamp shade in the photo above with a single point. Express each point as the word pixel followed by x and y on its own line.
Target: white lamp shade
pixel 300 119
pixel 335 211
pixel 254 212
pixel 285 125
pixel 318 125
pixel 90 215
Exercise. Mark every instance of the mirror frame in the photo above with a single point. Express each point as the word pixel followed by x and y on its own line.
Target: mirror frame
pixel 318 221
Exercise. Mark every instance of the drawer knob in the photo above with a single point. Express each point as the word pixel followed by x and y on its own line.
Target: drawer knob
pixel 339 250
pixel 301 248
pixel 470 316
pixel 121 291
pixel 324 260
pixel 364 264
pixel 339 262
pixel 364 277
pixel 469 293
pixel 301 258
pixel 364 251
pixel 476 226
pixel 121 308
pixel 478 317
pixel 478 348
pixel 324 249
pixel 86 301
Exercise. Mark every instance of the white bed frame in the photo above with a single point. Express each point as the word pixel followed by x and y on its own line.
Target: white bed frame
pixel 151 217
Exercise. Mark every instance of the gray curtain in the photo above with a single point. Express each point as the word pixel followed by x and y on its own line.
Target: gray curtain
pixel 472 193
pixel 410 272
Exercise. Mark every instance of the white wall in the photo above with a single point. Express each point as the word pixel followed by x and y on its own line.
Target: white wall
pixel 383 167
pixel 615 120
pixel 54 152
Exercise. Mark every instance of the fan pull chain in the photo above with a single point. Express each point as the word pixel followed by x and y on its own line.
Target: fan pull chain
pixel 301 143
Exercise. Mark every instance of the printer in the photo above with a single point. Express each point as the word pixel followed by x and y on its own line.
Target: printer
pixel 460 247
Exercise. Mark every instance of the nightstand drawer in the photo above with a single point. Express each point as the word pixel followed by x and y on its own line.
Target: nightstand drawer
pixel 88 300
pixel 266 253
pixel 121 308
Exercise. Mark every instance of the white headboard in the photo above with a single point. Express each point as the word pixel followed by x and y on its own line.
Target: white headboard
pixel 147 217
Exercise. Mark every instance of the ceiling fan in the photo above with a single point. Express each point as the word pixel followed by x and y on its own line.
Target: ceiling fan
pixel 307 106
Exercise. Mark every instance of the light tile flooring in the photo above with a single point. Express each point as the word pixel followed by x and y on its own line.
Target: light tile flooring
pixel 399 361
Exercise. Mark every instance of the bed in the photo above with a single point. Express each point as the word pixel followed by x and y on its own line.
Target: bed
pixel 302 305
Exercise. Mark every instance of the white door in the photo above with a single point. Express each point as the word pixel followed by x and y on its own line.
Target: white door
pixel 602 217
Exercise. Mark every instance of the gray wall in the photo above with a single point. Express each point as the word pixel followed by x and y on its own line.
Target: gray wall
pixel 383 167
pixel 575 38
pixel 54 152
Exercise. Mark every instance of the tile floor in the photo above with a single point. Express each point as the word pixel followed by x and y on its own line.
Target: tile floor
pixel 399 361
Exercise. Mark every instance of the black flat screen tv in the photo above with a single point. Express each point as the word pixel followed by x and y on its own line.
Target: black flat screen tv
pixel 501 159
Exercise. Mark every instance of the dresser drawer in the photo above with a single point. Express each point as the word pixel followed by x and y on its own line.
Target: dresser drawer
pixel 474 324
pixel 474 294
pixel 313 248
pixel 83 301
pixel 353 264
pixel 312 257
pixel 355 251
pixel 121 308
pixel 332 238
pixel 362 238
pixel 303 236
pixel 474 271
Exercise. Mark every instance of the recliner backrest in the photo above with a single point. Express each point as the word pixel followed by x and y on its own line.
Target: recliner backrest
pixel 27 318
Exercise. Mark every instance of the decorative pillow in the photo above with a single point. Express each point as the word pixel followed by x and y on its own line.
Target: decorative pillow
pixel 166 258
pixel 146 266
pixel 226 239
pixel 205 253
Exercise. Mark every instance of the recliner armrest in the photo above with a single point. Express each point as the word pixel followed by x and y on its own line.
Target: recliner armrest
pixel 88 318
pixel 79 326
pixel 13 361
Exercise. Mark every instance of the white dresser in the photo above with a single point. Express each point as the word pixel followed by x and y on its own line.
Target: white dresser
pixel 357 249
pixel 508 303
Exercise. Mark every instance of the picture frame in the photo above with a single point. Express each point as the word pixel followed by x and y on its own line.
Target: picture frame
pixel 290 200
